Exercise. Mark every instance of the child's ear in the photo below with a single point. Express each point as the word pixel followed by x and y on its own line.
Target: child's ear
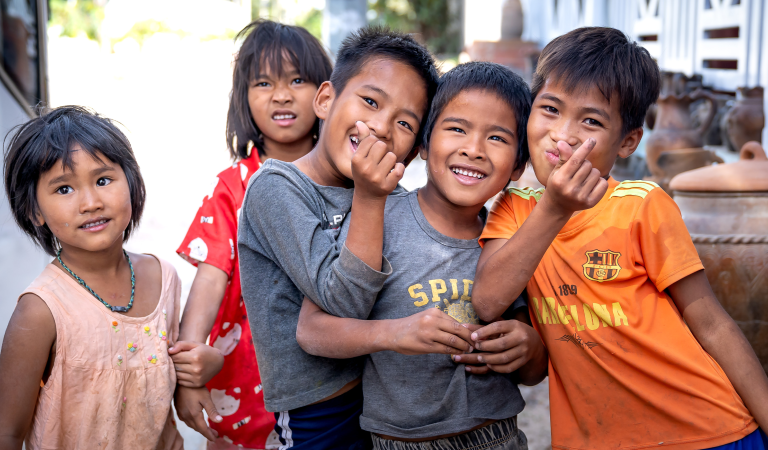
pixel 423 152
pixel 517 173
pixel 411 156
pixel 37 219
pixel 630 142
pixel 323 100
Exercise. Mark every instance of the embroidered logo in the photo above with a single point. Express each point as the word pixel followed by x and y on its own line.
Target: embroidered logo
pixel 602 265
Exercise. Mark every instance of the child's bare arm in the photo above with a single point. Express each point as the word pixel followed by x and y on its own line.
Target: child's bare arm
pixel 195 362
pixel 376 173
pixel 722 338
pixel 27 345
pixel 505 266
pixel 430 331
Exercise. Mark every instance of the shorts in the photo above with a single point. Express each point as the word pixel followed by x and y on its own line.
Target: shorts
pixel 501 435
pixel 757 440
pixel 332 424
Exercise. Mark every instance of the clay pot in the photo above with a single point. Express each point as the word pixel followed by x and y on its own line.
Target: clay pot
pixel 725 208
pixel 745 121
pixel 673 129
pixel 674 162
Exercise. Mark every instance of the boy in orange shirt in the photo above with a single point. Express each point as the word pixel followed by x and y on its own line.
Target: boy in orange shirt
pixel 641 352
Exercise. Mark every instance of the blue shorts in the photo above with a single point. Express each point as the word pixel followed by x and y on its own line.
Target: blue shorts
pixel 757 440
pixel 333 424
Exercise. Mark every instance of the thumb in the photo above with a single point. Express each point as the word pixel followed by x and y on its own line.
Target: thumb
pixel 362 130
pixel 211 410
pixel 182 346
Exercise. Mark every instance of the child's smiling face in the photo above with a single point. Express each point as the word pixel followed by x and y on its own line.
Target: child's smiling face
pixel 88 207
pixel 574 117
pixel 388 96
pixel 473 148
pixel 281 106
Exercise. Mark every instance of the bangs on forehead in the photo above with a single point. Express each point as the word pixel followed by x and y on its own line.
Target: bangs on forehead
pixel 63 140
pixel 274 59
pixel 582 80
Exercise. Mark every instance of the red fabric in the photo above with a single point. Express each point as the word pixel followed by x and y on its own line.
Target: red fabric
pixel 212 239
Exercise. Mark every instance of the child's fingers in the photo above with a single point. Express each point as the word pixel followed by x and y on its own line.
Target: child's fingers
pixel 570 160
pixel 450 343
pixel 199 425
pixel 477 370
pixel 365 140
pixel 395 175
pixel 210 408
pixel 182 346
pixel 509 367
pixel 598 192
pixel 491 330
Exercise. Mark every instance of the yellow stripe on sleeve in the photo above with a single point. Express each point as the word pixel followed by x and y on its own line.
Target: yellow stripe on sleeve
pixel 526 193
pixel 626 192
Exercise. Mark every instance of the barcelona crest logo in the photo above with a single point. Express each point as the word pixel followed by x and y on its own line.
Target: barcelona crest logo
pixel 602 265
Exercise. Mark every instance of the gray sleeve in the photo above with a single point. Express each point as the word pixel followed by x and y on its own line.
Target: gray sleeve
pixel 286 223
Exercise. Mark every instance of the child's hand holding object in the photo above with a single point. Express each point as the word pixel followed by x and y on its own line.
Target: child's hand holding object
pixel 195 363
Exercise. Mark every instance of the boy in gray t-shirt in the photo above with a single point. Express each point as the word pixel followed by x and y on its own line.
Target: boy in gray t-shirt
pixel 372 110
pixel 476 143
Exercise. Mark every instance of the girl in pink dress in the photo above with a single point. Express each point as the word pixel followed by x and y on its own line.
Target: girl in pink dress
pixel 85 359
pixel 277 72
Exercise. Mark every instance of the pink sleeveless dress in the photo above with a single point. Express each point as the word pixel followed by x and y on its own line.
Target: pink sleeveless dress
pixel 112 380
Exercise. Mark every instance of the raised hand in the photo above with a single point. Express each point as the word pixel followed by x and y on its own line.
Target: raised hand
pixel 195 363
pixel 574 185
pixel 190 403
pixel 430 331
pixel 375 170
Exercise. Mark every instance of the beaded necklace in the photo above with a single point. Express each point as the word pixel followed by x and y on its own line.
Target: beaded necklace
pixel 121 309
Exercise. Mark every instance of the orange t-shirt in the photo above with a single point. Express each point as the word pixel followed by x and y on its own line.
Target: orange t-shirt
pixel 625 371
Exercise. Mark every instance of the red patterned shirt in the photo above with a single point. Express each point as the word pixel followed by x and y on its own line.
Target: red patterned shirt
pixel 212 239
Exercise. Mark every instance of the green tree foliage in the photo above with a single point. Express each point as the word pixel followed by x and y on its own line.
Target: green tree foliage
pixel 312 20
pixel 76 17
pixel 428 18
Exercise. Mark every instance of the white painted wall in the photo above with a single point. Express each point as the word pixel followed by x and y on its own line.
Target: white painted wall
pixel 20 260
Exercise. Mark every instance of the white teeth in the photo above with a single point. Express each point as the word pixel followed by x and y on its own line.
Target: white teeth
pixel 283 116
pixel 355 139
pixel 468 173
pixel 91 225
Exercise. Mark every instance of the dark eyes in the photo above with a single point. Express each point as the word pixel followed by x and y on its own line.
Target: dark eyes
pixel 593 122
pixel 371 102
pixel 457 129
pixel 103 181
pixel 498 138
pixel 297 81
pixel 64 190
pixel 550 109
pixel 261 84
pixel 406 124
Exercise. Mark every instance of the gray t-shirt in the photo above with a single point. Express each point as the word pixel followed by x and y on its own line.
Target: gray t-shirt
pixel 287 239
pixel 424 396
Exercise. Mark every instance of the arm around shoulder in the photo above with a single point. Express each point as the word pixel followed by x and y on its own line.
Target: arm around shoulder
pixel 25 354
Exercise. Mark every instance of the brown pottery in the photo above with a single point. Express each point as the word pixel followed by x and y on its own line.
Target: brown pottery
pixel 745 121
pixel 725 208
pixel 673 129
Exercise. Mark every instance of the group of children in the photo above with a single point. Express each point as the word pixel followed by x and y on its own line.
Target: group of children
pixel 332 309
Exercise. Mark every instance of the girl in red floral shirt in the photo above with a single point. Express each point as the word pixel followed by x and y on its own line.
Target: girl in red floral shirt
pixel 277 72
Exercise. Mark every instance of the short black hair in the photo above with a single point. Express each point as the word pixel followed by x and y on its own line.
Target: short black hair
pixel 606 58
pixel 378 42
pixel 489 77
pixel 269 43
pixel 37 145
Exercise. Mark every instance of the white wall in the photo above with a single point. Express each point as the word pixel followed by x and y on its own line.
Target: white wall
pixel 20 260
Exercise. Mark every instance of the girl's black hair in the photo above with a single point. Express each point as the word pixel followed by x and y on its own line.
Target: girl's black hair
pixel 490 77
pixel 36 146
pixel 269 43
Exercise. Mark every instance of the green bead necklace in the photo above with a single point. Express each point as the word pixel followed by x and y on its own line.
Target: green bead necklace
pixel 121 309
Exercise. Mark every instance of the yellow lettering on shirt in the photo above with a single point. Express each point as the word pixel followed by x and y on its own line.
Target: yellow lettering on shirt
pixel 552 305
pixel 602 312
pixel 545 317
pixel 593 322
pixel 465 295
pixel 562 313
pixel 618 315
pixel 536 309
pixel 412 290
pixel 575 316
pixel 455 289
pixel 436 291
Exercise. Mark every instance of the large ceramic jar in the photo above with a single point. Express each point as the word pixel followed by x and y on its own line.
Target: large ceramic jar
pixel 725 208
